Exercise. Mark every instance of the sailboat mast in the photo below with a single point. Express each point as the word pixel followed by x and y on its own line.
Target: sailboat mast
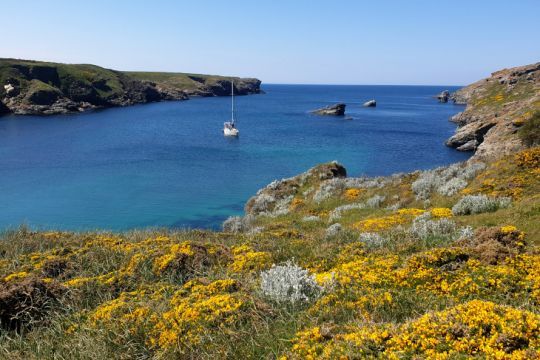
pixel 232 100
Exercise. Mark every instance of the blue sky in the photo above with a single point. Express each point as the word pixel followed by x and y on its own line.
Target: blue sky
pixel 295 41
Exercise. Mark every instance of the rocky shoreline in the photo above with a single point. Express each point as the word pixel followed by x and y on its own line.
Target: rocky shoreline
pixel 39 88
pixel 496 107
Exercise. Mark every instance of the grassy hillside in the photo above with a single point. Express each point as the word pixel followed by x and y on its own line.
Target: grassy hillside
pixel 26 74
pixel 184 81
pixel 415 269
pixel 35 87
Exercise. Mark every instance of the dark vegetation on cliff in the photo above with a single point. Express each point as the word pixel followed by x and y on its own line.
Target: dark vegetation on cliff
pixel 34 87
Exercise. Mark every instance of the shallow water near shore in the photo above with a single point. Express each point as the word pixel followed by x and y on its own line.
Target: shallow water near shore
pixel 167 164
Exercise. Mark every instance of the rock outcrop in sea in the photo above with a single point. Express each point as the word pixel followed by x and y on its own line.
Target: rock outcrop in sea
pixel 370 103
pixel 443 96
pixel 337 109
pixel 496 108
pixel 42 88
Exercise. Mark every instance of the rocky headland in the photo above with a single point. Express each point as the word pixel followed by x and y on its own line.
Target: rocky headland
pixel 43 88
pixel 497 107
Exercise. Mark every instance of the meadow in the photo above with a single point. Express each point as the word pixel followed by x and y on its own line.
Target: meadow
pixel 439 264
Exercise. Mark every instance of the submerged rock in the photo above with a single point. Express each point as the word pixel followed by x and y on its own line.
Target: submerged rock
pixel 337 109
pixel 370 103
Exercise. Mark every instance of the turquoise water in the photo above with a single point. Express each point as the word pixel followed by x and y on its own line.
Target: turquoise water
pixel 167 164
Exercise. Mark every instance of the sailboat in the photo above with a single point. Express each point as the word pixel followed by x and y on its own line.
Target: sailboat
pixel 229 127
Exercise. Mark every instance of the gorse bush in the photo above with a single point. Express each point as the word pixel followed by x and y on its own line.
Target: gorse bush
pixel 476 204
pixel 289 283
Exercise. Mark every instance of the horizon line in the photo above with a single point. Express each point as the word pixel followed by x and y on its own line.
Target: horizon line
pixel 336 84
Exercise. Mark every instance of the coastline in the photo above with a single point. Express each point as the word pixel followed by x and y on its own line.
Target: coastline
pixel 41 88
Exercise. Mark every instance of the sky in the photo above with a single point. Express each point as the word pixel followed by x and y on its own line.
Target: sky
pixel 282 41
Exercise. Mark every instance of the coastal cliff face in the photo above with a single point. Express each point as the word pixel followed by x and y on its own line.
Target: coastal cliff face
pixel 496 108
pixel 42 88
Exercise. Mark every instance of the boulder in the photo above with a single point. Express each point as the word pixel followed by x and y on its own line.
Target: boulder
pixel 8 88
pixel 370 103
pixel 336 110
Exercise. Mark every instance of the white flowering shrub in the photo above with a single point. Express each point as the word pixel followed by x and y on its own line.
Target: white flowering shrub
pixel 394 207
pixel 310 218
pixel 375 201
pixel 425 183
pixel 289 283
pixel 236 224
pixel 372 240
pixel 329 188
pixel 337 212
pixel 447 181
pixel 476 204
pixel 233 224
pixel 472 169
pixel 366 182
pixel 333 230
pixel 452 187
pixel 425 228
pixel 465 232
pixel 263 203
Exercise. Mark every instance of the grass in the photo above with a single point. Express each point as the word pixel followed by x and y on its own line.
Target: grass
pixel 195 294
pixel 97 85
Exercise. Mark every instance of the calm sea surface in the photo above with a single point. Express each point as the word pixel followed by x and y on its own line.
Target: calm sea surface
pixel 167 164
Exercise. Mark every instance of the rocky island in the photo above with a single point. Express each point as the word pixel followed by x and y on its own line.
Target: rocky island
pixel 44 88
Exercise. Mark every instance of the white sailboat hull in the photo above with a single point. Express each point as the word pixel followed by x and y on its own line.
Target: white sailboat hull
pixel 230 132
pixel 229 128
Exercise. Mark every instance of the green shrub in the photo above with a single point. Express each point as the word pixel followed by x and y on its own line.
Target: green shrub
pixel 530 131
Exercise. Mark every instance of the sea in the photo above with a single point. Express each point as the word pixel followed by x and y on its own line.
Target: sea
pixel 168 165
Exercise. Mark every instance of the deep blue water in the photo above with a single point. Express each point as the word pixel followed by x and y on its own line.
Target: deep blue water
pixel 167 164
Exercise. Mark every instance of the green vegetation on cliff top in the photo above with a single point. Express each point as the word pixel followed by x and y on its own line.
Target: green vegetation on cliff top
pixel 33 87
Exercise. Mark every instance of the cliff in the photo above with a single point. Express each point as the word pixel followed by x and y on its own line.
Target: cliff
pixel 34 87
pixel 497 107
